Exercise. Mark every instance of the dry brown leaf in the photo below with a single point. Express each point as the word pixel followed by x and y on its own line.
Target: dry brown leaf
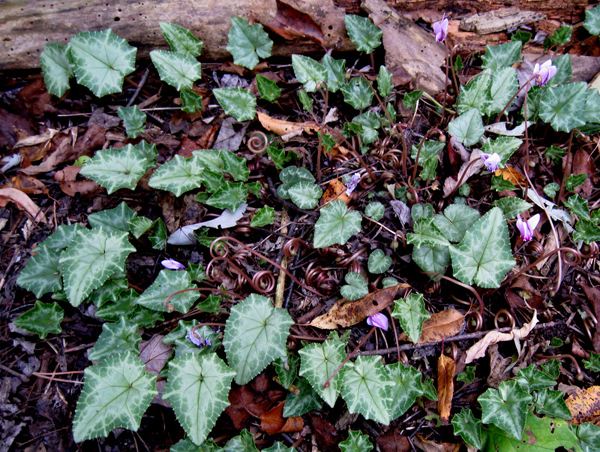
pixel 335 191
pixel 593 296
pixel 583 164
pixel 467 169
pixel 27 184
pixel 281 127
pixel 289 23
pixel 155 353
pixel 273 422
pixel 36 139
pixel 439 326
pixel 346 313
pixel 71 186
pixel 23 202
pixel 431 446
pixel 393 441
pixel 445 386
pixel 511 175
pixel 478 349
pixel 584 405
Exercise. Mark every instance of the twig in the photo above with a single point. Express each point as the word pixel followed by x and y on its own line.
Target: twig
pixel 326 385
pixel 139 87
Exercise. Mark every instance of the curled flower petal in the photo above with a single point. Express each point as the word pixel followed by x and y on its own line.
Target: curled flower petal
pixel 197 340
pixel 379 320
pixel 526 228
pixel 491 161
pixel 172 264
pixel 351 186
pixel 544 72
pixel 440 29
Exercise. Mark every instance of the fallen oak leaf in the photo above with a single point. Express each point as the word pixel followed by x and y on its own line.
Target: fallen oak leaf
pixel 282 127
pixel 23 202
pixel 346 313
pixel 478 349
pixel 445 386
pixel 584 405
pixel 439 326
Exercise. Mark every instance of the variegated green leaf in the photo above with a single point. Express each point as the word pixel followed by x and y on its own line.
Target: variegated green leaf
pixel 384 82
pixel 134 120
pixel 365 35
pixel 367 388
pixel 167 283
pixel 308 72
pixel 228 196
pixel 504 55
pixel 42 319
pixel 56 68
pixel 198 388
pixel 268 89
pixel 432 259
pixel 305 195
pixel 234 165
pixel 248 42
pixel 426 233
pixel 468 127
pixel 116 393
pixel 139 226
pixel 192 102
pixel 592 22
pixel 503 146
pixel 116 338
pixel 121 168
pixel 563 106
pixel 101 60
pixel 91 258
pixel 378 262
pixel 181 39
pixel 476 94
pixel 411 313
pixel 41 275
pixel 177 69
pixel 178 175
pixel 236 102
pixel 319 361
pixel 407 387
pixel 506 407
pixel 468 427
pixel 255 335
pixel 336 224
pixel 263 216
pixel 484 256
pixel 244 442
pixel 292 175
pixel 356 442
pixel 512 206
pixel 375 210
pixel 355 288
pixel 358 93
pixel 113 220
pixel 504 84
pixel 455 221
pixel 336 73
pixel 61 238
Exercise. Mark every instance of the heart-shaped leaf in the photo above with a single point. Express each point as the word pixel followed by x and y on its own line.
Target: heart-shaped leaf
pixel 468 427
pixel 592 20
pixel 229 196
pixel 384 82
pixel 101 60
pixel 308 72
pixel 167 283
pixel 113 220
pixel 305 194
pixel 41 275
pixel 178 175
pixel 378 262
pixel 56 68
pixel 411 313
pixel 236 102
pixel 134 120
pixel 562 106
pixel 42 319
pixel 455 221
pixel 192 102
pixel 268 89
pixel 181 39
pixel 504 55
pixel 426 233
pixel 248 42
pixel 116 338
pixel 506 407
pixel 358 93
pixel 355 288
pixel 177 69
pixel 468 127
pixel 336 73
pixel 365 35
pixel 336 224
pixel 432 259
pixel 512 206
pixel 407 387
pixel 375 210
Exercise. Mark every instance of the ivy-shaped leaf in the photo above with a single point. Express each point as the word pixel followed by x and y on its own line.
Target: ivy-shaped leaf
pixel 56 68
pixel 255 335
pixel 181 39
pixel 589 435
pixel 428 158
pixel 355 288
pixel 358 93
pixel 121 168
pixel 116 338
pixel 248 42
pixel 552 403
pixel 287 369
pixel 192 102
pixel 370 122
pixel 512 206
pixel 562 106
pixel 407 387
pixel 308 72
pixel 468 127
pixel 292 175
pixel 593 363
pixel 378 262
pixel 279 447
pixel 560 37
pixel 530 379
pixel 236 102
pixel 504 55
pixel 503 146
pixel 61 238
pixel 586 231
pixel 564 70
pixel 375 210
pixel 432 259
pixel 426 233
pixel 506 407
pixel 468 427
pixel 455 221
pixel 268 89
pixel 318 362
pixel 228 196
pixel 336 73
pixel 592 20
pixel 306 400
pixel 198 388
pixel 101 60
pixel 263 216
pixel 244 442
pixel 367 388
pixel 140 225
pixel 178 175
pixel 113 220
pixel 476 94
pixel 504 85
pixel 365 35
pixel 167 283
pixel 116 393
pixel 41 275
pixel 484 255
pixel 91 258
pixel 176 69
pixel 158 237
pixel 384 82
pixel 42 319
pixel 336 224
pixel 356 442
pixel 134 120
pixel 411 313
pixel 305 194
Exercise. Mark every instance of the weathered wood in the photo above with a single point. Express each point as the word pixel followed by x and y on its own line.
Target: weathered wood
pixel 26 25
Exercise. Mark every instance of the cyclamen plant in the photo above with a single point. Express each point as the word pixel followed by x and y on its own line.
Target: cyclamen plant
pixel 83 265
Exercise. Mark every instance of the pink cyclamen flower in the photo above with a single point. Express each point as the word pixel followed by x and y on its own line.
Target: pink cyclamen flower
pixel 379 320
pixel 526 228
pixel 491 161
pixel 351 186
pixel 172 264
pixel 544 72
pixel 197 340
pixel 440 28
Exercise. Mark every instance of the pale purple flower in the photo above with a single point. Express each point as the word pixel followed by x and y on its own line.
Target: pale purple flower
pixel 379 320
pixel 172 264
pixel 544 72
pixel 197 340
pixel 440 28
pixel 526 228
pixel 351 186
pixel 491 161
